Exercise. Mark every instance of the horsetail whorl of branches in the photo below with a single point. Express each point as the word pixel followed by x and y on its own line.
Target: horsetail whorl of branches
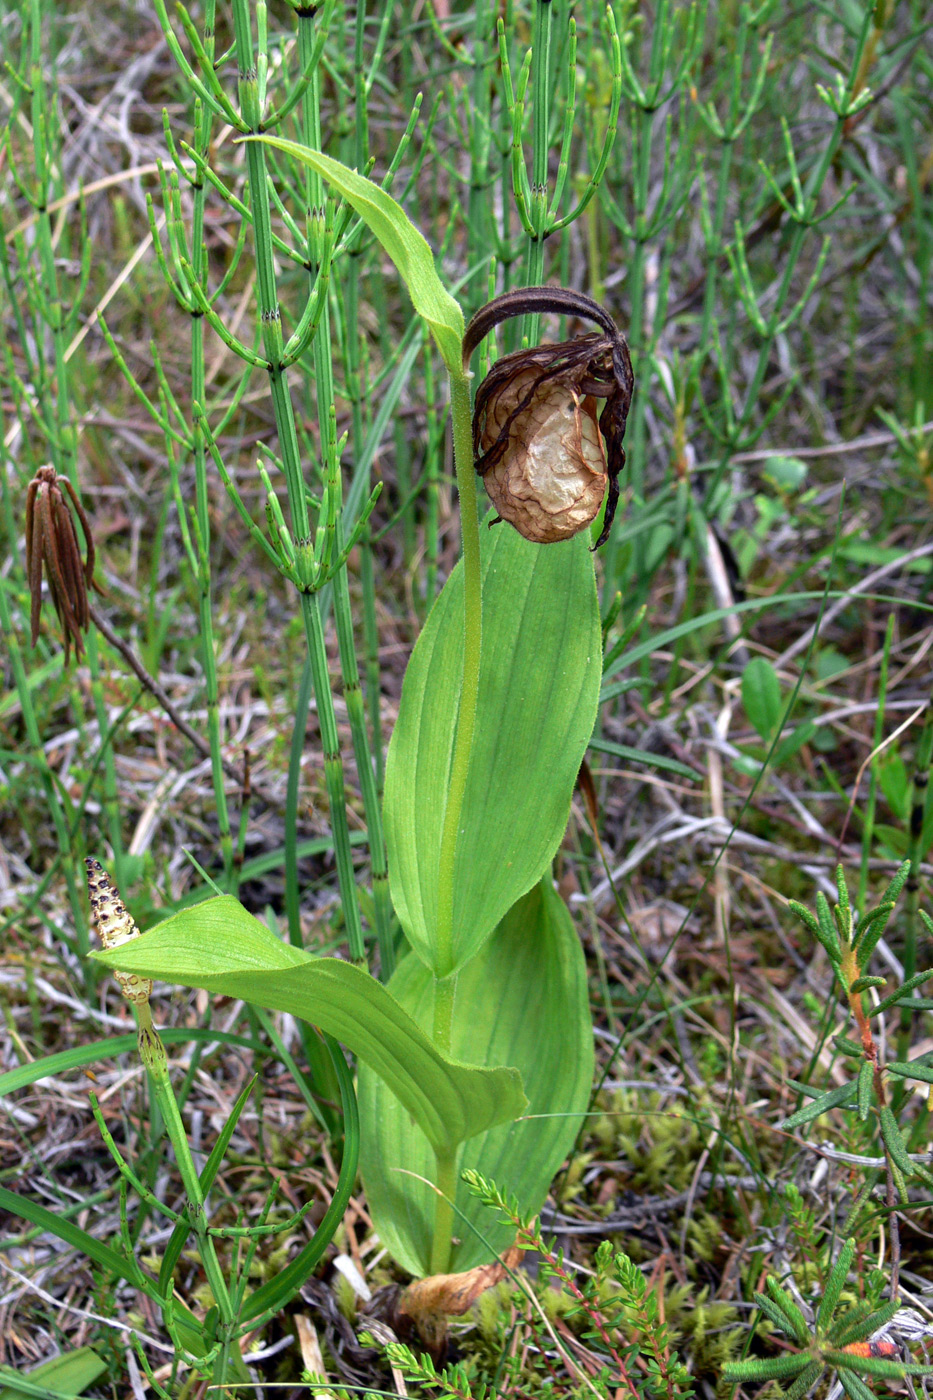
pixel 544 457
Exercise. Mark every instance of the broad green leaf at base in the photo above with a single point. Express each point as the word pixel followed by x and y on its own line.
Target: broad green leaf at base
pixel 221 947
pixel 65 1375
pixel 523 1000
pixel 538 692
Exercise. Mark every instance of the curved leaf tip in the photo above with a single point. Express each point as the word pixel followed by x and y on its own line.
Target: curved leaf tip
pixel 404 243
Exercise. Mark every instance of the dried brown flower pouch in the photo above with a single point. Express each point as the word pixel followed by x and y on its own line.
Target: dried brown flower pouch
pixel 52 544
pixel 545 458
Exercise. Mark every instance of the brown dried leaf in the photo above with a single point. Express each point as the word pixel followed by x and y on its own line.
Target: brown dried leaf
pixel 430 1301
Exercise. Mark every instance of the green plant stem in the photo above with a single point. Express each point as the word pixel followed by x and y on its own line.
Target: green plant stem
pixel 356 713
pixel 401 437
pixel 202 139
pixel 804 221
pixel 444 976
pixel 868 825
pixel 333 773
pixel 61 438
pixel 446 1183
pixel 477 113
pixel 324 380
pixel 541 108
pixel 918 805
pixel 371 643
pixel 635 457
pixel 152 1054
pixel 271 326
pixel 292 899
pixel 317 1059
pixel 435 431
pixel 367 576
pixel 61 434
pixel 56 810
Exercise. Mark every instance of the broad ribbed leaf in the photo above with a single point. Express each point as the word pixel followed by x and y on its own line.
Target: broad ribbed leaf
pixel 407 248
pixel 522 1001
pixel 539 688
pixel 218 945
pixel 65 1375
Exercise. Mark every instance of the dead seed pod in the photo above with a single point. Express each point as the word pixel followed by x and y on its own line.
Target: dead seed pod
pixel 544 457
pixel 52 544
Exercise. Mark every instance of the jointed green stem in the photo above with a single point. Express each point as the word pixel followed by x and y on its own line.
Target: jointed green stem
pixel 57 421
pixel 333 773
pixel 152 1053
pixel 205 610
pixel 324 380
pixel 59 819
pixel 270 321
pixel 541 110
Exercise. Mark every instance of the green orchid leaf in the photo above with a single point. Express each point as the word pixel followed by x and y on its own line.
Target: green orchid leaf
pixel 407 248
pixel 58 1379
pixel 221 947
pixel 524 1000
pixel 538 693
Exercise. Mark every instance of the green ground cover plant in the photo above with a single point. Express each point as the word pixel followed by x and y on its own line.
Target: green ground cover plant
pixel 504 870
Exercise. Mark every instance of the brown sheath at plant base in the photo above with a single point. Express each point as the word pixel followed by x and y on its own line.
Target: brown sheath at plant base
pixel 535 441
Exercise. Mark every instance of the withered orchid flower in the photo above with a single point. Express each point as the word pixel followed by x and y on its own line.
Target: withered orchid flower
pixel 545 458
pixel 52 544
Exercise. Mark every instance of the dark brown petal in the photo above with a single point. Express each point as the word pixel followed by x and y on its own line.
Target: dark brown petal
pixel 31 493
pixel 52 546
pixel 88 536
pixel 65 573
pixel 34 529
pixel 71 553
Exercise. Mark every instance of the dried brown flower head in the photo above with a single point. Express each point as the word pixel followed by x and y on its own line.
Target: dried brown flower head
pixel 545 462
pixel 52 544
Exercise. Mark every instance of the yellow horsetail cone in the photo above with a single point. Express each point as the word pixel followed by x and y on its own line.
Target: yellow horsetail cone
pixel 114 925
